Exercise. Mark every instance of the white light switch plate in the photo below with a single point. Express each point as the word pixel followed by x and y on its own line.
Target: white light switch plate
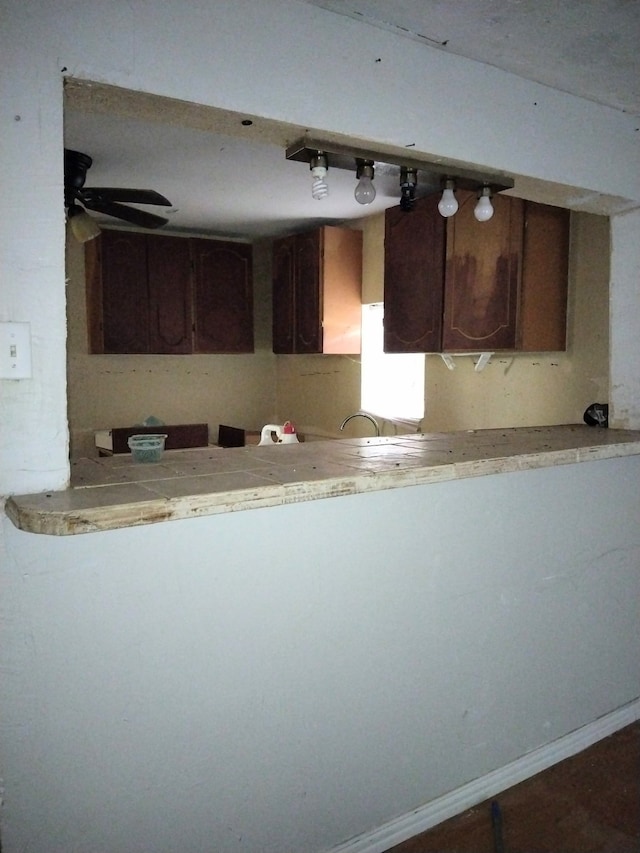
pixel 15 351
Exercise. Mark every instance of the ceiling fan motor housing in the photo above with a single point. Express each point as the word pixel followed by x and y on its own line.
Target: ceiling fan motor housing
pixel 107 200
pixel 75 168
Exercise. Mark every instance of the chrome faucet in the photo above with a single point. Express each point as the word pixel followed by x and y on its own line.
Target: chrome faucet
pixel 361 415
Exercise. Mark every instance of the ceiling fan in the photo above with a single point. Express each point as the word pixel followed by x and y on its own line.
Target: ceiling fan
pixel 108 200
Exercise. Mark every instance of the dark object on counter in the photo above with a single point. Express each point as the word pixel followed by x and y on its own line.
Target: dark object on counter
pixel 229 436
pixel 178 436
pixel 597 414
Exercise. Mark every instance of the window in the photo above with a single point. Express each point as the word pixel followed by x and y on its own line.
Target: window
pixel 392 385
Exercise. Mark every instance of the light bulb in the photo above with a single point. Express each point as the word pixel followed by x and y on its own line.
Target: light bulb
pixel 448 204
pixel 319 185
pixel 365 192
pixel 483 211
pixel 82 226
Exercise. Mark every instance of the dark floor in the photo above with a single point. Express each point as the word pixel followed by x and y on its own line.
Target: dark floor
pixel 590 802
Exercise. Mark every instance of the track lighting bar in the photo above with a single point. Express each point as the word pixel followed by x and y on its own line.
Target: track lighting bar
pixel 340 156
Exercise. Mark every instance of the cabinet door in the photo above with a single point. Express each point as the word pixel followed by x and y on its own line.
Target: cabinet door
pixel 169 294
pixel 413 277
pixel 125 294
pixel 341 273
pixel 308 292
pixel 482 276
pixel 283 302
pixel 545 274
pixel 223 296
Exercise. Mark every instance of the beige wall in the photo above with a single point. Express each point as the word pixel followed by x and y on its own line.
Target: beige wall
pixel 522 390
pixel 536 389
pixel 318 392
pixel 122 390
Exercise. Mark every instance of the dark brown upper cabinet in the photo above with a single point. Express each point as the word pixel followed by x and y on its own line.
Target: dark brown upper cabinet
pixel 317 292
pixel 481 276
pixel 456 285
pixel 223 296
pixel 118 294
pixel 150 293
pixel 170 317
pixel 414 256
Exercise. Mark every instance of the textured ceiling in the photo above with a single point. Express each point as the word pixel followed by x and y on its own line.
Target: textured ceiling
pixel 587 48
pixel 214 172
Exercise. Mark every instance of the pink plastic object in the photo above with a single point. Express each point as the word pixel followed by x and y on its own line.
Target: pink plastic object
pixel 288 428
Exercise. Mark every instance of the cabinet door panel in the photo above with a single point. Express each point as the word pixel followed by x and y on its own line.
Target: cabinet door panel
pixel 413 278
pixel 169 295
pixel 223 296
pixel 283 277
pixel 93 278
pixel 545 272
pixel 308 293
pixel 341 270
pixel 482 276
pixel 125 295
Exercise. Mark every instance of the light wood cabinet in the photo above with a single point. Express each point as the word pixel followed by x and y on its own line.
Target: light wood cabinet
pixel 317 291
pixel 149 293
pixel 459 285
pixel 542 322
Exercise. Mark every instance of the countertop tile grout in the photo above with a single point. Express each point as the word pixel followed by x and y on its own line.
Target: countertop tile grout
pixel 113 492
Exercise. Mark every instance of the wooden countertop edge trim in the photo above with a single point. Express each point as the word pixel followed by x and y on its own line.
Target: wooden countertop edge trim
pixel 70 521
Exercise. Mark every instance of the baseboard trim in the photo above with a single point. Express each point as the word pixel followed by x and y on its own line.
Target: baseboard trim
pixel 419 820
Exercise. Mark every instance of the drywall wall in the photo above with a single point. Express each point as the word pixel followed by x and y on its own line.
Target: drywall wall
pixel 537 388
pixel 520 390
pixel 624 317
pixel 485 117
pixel 285 679
pixel 130 687
pixel 318 392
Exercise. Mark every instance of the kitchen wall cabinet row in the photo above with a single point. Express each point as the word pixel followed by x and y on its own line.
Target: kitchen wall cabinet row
pixel 317 291
pixel 455 285
pixel 150 293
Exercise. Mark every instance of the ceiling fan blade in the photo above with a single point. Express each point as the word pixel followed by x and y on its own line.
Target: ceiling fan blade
pixel 128 214
pixel 126 194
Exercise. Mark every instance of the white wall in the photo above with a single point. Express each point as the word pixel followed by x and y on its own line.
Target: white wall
pixel 110 708
pixel 625 319
pixel 221 54
pixel 186 687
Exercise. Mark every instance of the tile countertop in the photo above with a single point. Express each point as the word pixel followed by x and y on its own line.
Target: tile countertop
pixel 113 492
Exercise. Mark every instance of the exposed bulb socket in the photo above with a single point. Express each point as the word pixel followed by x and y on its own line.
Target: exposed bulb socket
pixel 408 181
